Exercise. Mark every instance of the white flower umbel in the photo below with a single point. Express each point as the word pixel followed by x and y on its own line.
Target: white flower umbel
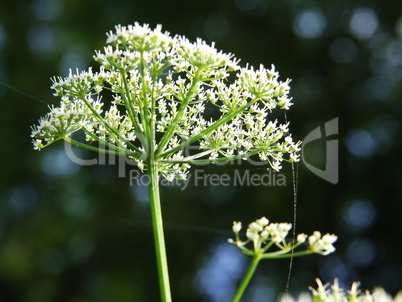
pixel 263 236
pixel 333 293
pixel 265 240
pixel 158 88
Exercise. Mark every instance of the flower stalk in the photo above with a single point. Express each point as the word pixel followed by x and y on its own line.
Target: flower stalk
pixel 159 238
pixel 247 278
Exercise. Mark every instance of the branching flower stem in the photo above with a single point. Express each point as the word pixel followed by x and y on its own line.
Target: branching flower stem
pixel 170 131
pixel 107 125
pixel 144 113
pixel 194 160
pixel 208 130
pixel 256 258
pixel 96 149
pixel 129 103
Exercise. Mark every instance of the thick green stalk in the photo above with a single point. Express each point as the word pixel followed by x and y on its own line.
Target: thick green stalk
pixel 247 277
pixel 157 225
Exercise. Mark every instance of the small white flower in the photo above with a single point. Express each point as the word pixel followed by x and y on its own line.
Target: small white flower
pixel 301 238
pixel 236 226
pixel 322 245
pixel 276 165
pixel 329 238
pixel 264 235
pixel 252 235
pixel 37 144
pixel 262 221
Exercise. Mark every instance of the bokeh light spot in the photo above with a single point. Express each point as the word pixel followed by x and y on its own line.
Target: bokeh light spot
pixel 309 24
pixel 394 60
pixel 23 198
pixel 56 163
pixel 334 267
pixel 385 129
pixel 361 143
pixel 343 50
pixel 246 4
pixel 47 10
pixel 140 192
pixel 359 215
pixel 72 60
pixel 378 88
pixel 363 23
pixel 398 27
pixel 40 38
pixel 361 252
pixel 218 277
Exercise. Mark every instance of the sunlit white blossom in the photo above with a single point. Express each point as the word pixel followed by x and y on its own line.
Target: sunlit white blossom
pixel 262 235
pixel 157 88
pixel 236 226
pixel 333 293
pixel 322 245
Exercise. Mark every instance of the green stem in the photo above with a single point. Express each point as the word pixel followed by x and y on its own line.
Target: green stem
pixel 223 120
pixel 173 125
pixel 129 104
pixel 190 159
pixel 145 120
pixel 99 150
pixel 157 225
pixel 106 124
pixel 247 277
pixel 280 255
pixel 106 143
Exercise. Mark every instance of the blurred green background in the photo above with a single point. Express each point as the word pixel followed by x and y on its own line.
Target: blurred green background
pixel 81 233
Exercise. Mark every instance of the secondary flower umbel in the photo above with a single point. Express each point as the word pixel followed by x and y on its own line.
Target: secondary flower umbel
pixel 333 293
pixel 159 88
pixel 336 294
pixel 267 240
pixel 263 235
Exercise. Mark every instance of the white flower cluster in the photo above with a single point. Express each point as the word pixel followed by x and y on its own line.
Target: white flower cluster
pixel 337 294
pixel 322 245
pixel 72 115
pixel 333 293
pixel 264 234
pixel 159 88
